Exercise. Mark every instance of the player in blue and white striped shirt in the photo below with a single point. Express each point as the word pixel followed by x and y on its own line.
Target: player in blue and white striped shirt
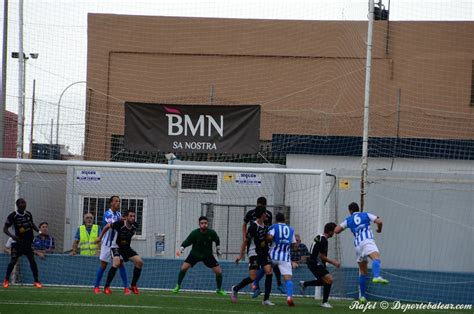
pixel 108 241
pixel 359 223
pixel 110 216
pixel 283 237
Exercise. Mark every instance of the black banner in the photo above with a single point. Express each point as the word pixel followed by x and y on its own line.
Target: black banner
pixel 192 128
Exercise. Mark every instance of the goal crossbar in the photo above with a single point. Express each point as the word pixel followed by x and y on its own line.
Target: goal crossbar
pixel 126 165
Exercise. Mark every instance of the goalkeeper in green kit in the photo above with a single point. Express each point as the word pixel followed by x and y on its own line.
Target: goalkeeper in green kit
pixel 201 239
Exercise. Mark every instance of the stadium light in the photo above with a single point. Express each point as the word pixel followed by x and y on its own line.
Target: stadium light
pixel 59 107
pixel 26 57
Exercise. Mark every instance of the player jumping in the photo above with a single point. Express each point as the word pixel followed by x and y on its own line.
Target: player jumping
pixel 365 246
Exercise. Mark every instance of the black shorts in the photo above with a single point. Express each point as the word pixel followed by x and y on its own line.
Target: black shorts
pixel 210 261
pixel 255 262
pixel 18 249
pixel 318 270
pixel 125 252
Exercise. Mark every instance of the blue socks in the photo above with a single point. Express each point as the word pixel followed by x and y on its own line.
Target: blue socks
pixel 376 267
pixel 123 275
pixel 362 285
pixel 289 288
pixel 260 274
pixel 98 276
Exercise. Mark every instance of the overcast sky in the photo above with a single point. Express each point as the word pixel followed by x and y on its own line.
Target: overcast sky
pixel 57 30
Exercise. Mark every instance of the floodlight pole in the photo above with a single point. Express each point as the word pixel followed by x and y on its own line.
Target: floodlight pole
pixel 21 97
pixel 3 85
pixel 32 119
pixel 365 136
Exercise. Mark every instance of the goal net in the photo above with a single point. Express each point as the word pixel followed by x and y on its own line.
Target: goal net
pixel 168 201
pixel 304 63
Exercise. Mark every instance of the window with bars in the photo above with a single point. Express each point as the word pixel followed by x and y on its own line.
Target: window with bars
pixel 97 205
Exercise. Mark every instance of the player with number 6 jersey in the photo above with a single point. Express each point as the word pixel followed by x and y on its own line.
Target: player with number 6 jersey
pixel 359 223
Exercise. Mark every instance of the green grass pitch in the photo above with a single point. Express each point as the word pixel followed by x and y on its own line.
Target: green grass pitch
pixel 25 299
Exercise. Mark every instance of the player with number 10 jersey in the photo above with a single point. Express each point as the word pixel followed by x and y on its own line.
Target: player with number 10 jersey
pixel 283 238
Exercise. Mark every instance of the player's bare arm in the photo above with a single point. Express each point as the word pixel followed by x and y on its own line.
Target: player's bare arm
pixel 326 259
pixel 6 230
pixel 242 250
pixel 244 231
pixel 106 228
pixel 379 224
pixel 338 229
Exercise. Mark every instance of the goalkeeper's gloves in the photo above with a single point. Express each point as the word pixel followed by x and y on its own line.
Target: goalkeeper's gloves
pixel 180 251
pixel 218 251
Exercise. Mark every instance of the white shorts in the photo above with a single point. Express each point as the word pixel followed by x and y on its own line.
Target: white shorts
pixel 285 267
pixel 364 249
pixel 105 255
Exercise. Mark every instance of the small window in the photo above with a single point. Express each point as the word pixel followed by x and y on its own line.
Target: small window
pixel 98 205
pixel 198 182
